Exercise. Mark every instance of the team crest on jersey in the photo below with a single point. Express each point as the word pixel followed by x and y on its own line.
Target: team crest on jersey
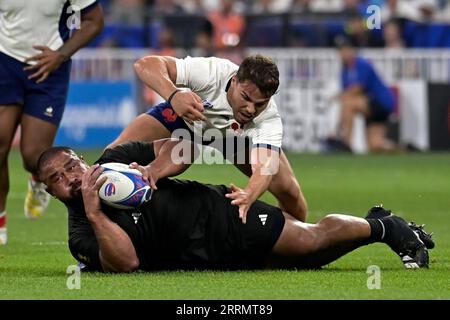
pixel 49 111
pixel 237 128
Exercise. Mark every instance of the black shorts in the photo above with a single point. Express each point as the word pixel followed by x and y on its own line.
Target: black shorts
pixel 377 113
pixel 258 235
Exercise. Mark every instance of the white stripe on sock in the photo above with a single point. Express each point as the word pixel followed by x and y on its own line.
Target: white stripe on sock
pixel 3 213
pixel 384 230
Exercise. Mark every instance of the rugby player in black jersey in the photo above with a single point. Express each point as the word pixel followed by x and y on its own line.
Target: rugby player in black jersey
pixel 190 225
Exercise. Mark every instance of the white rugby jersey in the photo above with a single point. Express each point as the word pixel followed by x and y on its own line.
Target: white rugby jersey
pixel 24 23
pixel 208 78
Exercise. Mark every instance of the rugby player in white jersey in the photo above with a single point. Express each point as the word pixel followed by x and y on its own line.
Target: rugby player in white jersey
pixel 35 51
pixel 236 100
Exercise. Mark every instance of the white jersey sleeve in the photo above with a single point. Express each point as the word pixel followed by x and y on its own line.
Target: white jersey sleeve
pixel 203 74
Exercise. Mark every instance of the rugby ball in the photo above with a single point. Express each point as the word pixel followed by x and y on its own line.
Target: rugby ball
pixel 124 188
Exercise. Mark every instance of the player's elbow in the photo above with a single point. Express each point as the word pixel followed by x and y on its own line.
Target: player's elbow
pixel 124 264
pixel 123 267
pixel 131 266
pixel 144 63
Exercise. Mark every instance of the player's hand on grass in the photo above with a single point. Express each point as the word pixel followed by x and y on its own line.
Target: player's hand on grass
pixel 240 198
pixel 90 186
pixel 188 106
pixel 148 174
pixel 46 62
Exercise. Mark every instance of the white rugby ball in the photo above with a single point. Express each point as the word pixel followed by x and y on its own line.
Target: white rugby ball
pixel 124 188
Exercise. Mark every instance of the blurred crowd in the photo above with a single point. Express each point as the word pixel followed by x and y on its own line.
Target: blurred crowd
pixel 131 11
pixel 213 26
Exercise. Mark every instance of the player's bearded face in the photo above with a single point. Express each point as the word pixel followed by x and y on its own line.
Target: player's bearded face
pixel 246 100
pixel 63 175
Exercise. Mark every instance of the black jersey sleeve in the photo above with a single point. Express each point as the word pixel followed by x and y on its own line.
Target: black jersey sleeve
pixel 82 241
pixel 132 151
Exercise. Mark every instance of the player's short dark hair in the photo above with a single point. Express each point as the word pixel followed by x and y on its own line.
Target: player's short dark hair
pixel 262 71
pixel 48 154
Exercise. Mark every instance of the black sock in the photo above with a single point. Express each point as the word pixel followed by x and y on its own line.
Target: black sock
pixel 377 231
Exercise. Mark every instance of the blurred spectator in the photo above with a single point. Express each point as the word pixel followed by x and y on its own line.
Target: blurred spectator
pixel 298 6
pixel 126 12
pixel 325 5
pixel 352 7
pixel 166 47
pixel 271 6
pixel 199 6
pixel 193 6
pixel 358 33
pixel 444 11
pixel 204 40
pixel 392 35
pixel 228 26
pixel 414 10
pixel 166 43
pixel 167 7
pixel 363 93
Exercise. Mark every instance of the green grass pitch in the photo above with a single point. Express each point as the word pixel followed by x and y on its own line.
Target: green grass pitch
pixel 417 187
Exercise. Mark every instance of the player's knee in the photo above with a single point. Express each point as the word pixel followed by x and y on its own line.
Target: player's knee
pixel 30 157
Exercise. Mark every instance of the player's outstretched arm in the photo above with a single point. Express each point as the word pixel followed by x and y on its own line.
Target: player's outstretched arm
pixel 265 163
pixel 116 251
pixel 172 157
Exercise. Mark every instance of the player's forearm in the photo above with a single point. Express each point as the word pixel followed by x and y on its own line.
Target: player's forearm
pixel 154 72
pixel 174 158
pixel 117 253
pixel 258 184
pixel 91 25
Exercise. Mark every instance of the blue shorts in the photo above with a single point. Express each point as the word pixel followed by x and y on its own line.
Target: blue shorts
pixel 165 114
pixel 44 100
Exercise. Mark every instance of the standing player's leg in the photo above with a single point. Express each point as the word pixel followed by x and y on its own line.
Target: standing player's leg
pixel 37 136
pixel 44 105
pixel 9 119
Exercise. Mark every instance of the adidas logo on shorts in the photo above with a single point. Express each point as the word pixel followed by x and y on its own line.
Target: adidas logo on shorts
pixel 263 218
